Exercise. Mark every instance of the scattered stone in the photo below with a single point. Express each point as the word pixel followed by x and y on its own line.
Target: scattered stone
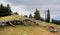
pixel 52 29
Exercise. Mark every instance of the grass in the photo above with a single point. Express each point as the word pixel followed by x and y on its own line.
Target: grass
pixel 12 17
pixel 19 30
pixel 49 24
pixel 28 30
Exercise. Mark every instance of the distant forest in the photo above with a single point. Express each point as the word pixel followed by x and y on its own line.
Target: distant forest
pixel 6 11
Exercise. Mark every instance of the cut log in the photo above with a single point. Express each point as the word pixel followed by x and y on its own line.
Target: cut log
pixel 3 23
pixel 0 23
pixel 11 24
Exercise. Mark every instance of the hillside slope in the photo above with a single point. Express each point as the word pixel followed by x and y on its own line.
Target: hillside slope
pixel 12 17
pixel 27 30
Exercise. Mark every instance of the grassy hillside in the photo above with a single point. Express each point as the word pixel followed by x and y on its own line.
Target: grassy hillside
pixel 27 30
pixel 12 17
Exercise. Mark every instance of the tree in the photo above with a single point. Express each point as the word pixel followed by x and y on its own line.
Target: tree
pixel 5 11
pixel 25 16
pixel 1 10
pixel 9 10
pixel 48 16
pixel 16 13
pixel 42 19
pixel 56 21
pixel 37 15
pixel 30 16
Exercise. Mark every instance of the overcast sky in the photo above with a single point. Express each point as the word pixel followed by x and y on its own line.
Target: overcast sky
pixel 25 7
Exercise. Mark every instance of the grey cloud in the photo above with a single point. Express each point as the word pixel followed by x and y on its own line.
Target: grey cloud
pixel 33 2
pixel 42 5
pixel 23 2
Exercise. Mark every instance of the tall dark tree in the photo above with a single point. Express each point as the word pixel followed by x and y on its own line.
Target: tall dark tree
pixel 37 15
pixel 48 16
pixel 1 10
pixel 9 9
pixel 5 11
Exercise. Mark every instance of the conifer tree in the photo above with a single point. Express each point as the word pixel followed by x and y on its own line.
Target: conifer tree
pixel 48 16
pixel 37 15
pixel 5 11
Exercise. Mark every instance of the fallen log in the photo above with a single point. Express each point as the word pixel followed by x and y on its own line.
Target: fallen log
pixel 11 24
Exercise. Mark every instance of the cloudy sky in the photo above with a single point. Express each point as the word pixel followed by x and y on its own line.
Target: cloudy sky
pixel 25 7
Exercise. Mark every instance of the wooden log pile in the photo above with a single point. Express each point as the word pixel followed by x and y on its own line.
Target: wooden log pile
pixel 13 22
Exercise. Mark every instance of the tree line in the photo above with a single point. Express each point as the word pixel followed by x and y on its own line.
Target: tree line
pixel 38 17
pixel 6 11
pixel 47 19
pixel 56 21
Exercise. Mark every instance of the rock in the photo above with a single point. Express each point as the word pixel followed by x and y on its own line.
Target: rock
pixel 52 29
